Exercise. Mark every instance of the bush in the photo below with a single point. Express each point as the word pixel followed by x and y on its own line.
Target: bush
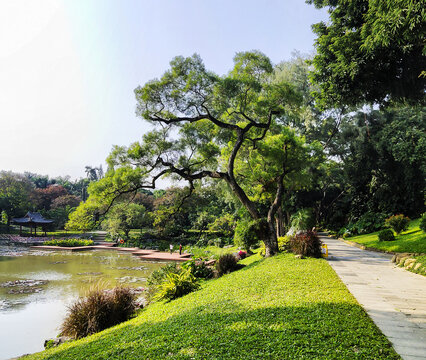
pixel 177 285
pixel 226 264
pixel 283 243
pixel 422 224
pixel 398 223
pixel 199 270
pixel 157 277
pixel 386 235
pixel 68 242
pixel 98 311
pixel 306 244
pixel 246 234
pixel 367 223
pixel 242 254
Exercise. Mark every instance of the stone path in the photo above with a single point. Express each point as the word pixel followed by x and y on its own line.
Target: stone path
pixel 394 298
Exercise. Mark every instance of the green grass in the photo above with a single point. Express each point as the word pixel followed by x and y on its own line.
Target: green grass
pixel 209 251
pixel 413 240
pixel 275 308
pixel 68 242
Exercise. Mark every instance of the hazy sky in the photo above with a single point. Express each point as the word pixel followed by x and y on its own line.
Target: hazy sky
pixel 68 68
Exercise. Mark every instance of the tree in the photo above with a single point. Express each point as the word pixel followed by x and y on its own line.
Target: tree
pixel 371 51
pixel 43 198
pixel 124 217
pixel 64 201
pixel 15 194
pixel 204 123
pixel 94 173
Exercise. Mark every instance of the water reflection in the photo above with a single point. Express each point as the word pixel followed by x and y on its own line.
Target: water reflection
pixel 37 287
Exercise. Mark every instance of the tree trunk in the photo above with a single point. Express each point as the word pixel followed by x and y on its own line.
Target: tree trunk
pixel 280 222
pixel 270 240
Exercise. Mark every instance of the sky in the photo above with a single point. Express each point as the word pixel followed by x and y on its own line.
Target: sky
pixel 68 68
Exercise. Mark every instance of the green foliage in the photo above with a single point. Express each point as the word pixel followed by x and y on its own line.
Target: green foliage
pixel 237 316
pixel 224 224
pixel 398 223
pixel 176 285
pixel 283 243
pixel 302 220
pixel 123 217
pixel 83 218
pixel 157 277
pixel 422 224
pixel 99 310
pixel 4 218
pixel 246 234
pixel 226 264
pixel 386 235
pixel 15 194
pixel 198 269
pixel 306 244
pixel 383 170
pixel 370 52
pixel 367 223
pixel 69 242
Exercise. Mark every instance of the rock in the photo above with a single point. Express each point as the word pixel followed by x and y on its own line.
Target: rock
pixel 299 256
pixel 409 263
pixel 417 267
pixel 394 258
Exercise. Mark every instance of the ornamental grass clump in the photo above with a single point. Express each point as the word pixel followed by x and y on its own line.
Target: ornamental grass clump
pixel 226 264
pixel 98 311
pixel 398 223
pixel 306 244
pixel 177 285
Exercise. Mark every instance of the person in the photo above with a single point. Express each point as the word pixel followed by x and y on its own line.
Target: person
pixel 171 248
pixel 180 249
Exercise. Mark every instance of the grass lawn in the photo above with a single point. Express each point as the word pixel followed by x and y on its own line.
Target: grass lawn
pixel 210 251
pixel 413 240
pixel 276 308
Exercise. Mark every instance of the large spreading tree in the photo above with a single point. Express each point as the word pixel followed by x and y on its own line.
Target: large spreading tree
pixel 230 128
pixel 371 51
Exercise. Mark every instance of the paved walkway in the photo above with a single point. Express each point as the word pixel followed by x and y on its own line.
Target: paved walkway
pixel 394 298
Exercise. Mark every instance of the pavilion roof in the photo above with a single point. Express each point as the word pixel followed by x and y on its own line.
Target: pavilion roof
pixel 30 217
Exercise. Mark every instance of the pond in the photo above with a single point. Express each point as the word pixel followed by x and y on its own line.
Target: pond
pixel 36 287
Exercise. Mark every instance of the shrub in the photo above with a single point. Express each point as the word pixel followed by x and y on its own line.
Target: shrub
pixel 68 242
pixel 242 254
pixel 246 234
pixel 398 222
pixel 306 244
pixel 386 235
pixel 226 264
pixel 422 224
pixel 99 310
pixel 283 243
pixel 157 277
pixel 177 285
pixel 198 269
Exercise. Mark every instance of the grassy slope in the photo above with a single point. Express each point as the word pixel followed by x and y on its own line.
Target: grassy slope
pixel 278 308
pixel 413 240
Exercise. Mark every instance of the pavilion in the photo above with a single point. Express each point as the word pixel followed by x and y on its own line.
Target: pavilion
pixel 32 220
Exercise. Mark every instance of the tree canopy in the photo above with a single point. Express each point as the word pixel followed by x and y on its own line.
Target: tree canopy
pixel 230 128
pixel 371 51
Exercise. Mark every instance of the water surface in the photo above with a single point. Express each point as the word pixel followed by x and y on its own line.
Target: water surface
pixel 36 288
